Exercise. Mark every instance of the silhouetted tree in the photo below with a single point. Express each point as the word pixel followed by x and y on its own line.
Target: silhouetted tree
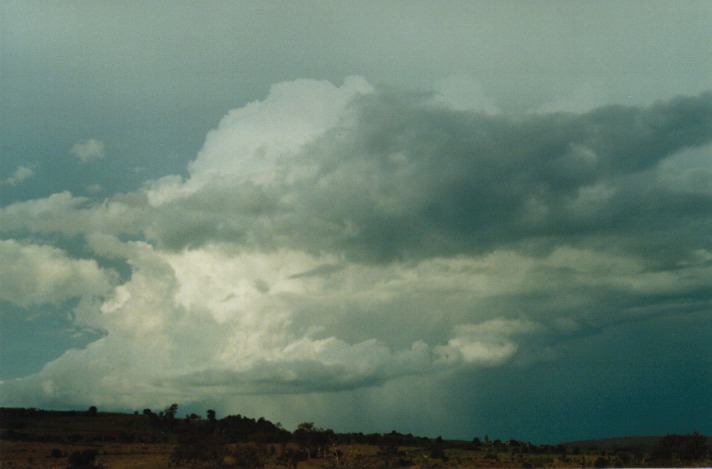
pixel 312 439
pixel 211 415
pixel 171 411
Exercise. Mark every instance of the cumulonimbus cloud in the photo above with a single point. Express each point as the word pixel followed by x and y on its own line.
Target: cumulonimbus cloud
pixel 330 238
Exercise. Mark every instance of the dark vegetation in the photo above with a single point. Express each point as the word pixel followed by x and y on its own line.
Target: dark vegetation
pixel 92 439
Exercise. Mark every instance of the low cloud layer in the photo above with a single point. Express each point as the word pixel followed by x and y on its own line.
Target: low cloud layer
pixel 333 239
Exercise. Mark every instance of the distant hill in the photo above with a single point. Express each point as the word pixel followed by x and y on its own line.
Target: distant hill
pixel 629 443
pixel 644 443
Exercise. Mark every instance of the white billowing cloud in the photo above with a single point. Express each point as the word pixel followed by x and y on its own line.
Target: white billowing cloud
pixel 488 343
pixel 21 174
pixel 209 318
pixel 71 215
pixel 56 213
pixel 87 150
pixel 191 325
pixel 35 274
pixel 251 142
pixel 148 338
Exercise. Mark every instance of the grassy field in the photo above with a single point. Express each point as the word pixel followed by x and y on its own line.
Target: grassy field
pixel 19 454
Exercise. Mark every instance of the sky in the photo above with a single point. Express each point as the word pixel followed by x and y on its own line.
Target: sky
pixel 441 218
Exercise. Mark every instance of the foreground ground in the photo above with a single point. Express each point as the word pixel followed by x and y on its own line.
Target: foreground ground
pixel 18 455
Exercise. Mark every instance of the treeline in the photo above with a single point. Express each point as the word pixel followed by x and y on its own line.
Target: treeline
pixel 236 440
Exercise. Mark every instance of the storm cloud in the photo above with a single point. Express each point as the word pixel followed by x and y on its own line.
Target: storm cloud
pixel 449 230
pixel 399 179
pixel 335 238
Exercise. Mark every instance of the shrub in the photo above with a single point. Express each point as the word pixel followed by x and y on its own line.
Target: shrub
pixel 684 447
pixel 84 460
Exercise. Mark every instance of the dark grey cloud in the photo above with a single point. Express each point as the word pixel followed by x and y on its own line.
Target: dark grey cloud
pixel 419 181
pixel 409 180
